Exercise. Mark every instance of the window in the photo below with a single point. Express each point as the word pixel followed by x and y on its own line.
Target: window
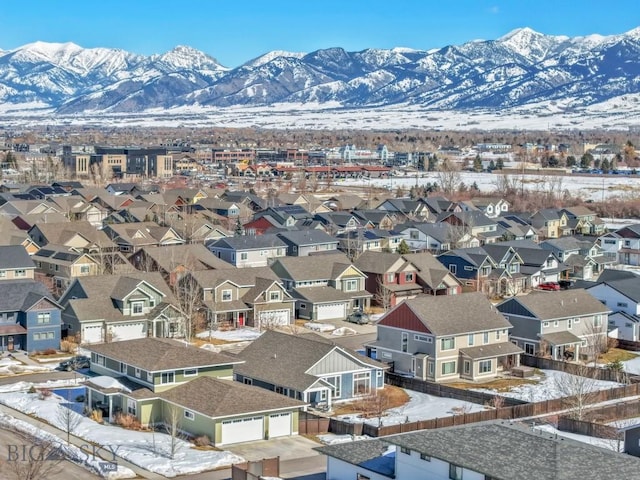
pixel 3 273
pixel 100 359
pixel 350 285
pixel 189 415
pixel 123 368
pixel 455 472
pixel 55 267
pixel 226 295
pixel 576 320
pixel 362 383
pixel 247 381
pixel 20 273
pixel 425 457
pixel 529 348
pixel 131 406
pixel 555 323
pixel 391 277
pixel 569 324
pixel 408 277
pixel 405 342
pixel 545 324
pixel 243 256
pixel 360 476
pixel 623 304
pixel 84 269
pixel 597 321
pixel 484 366
pixel 150 377
pixel 137 372
pixel 192 372
pixel 386 355
pixel 136 308
pixel 467 367
pixel 405 450
pixel 453 268
pixel 274 296
pixel 485 337
pixel 431 368
pixel 167 377
pixel 448 343
pixel 337 385
pixel 448 368
pixel 322 394
pixel 44 317
pixel 423 338
pixel 470 339
pixel 468 268
pixel 497 334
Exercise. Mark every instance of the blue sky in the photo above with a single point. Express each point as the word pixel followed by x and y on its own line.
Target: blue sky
pixel 236 31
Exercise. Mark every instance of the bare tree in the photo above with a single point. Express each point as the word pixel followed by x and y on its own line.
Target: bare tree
pixel 172 424
pixel 578 390
pixel 448 177
pixel 188 294
pixel 383 295
pixel 595 337
pixel 31 458
pixel 67 419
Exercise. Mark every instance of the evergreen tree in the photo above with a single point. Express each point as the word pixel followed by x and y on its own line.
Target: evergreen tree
pixel 403 248
pixel 604 165
pixel 500 164
pixel 492 166
pixel 474 186
pixel 571 161
pixel 585 160
pixel 238 230
pixel 433 163
pixel 477 164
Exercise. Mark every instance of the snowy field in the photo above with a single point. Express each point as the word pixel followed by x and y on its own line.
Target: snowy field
pixel 237 335
pixel 553 384
pixel 9 366
pixel 608 444
pixel 587 187
pixel 148 450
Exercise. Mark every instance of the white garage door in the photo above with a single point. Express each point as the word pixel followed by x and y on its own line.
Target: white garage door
pixel 274 317
pixel 331 311
pixel 279 425
pixel 127 331
pixel 92 334
pixel 242 430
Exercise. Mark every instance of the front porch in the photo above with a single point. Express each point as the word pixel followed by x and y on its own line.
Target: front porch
pixel 561 346
pixel 487 361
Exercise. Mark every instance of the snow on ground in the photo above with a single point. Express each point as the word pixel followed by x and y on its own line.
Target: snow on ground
pixel 550 386
pixel 632 366
pixel 237 335
pixel 609 444
pixel 334 439
pixel 71 452
pixel 421 406
pixel 50 384
pixel 319 327
pixel 9 366
pixel 149 450
pixel 343 332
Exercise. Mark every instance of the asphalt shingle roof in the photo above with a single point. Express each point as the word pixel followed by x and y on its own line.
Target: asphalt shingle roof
pixel 15 256
pixel 560 304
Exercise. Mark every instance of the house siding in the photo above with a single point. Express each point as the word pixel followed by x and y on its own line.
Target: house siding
pixel 34 329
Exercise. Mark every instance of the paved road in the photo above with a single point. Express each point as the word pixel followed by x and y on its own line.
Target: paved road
pixel 64 471
pixel 39 377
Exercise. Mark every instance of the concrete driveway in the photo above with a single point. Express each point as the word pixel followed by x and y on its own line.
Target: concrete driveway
pixel 287 448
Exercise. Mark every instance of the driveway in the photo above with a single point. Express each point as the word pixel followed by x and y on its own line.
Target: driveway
pixel 287 448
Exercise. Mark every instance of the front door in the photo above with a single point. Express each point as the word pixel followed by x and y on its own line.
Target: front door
pixel 10 343
pixel 241 319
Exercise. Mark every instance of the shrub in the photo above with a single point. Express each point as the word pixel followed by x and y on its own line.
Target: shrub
pixel 32 389
pixel 44 393
pixel 127 421
pixel 49 351
pixel 202 441
pixel 68 345
pixel 96 416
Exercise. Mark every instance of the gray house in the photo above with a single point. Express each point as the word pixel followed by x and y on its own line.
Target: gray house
pixel 445 337
pixel 304 242
pixel 562 324
pixel 249 251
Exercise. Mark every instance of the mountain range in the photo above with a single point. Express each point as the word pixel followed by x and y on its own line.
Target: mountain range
pixel 518 69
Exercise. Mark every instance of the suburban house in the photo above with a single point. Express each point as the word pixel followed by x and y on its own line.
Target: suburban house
pixel 433 277
pixel 249 251
pixel 301 243
pixel 473 223
pixel 58 265
pixel 173 261
pixel 474 267
pixel 538 265
pixel 163 382
pixel 550 223
pixel 491 207
pixel 584 221
pixel 109 308
pixel 434 237
pixel 29 317
pixel 625 243
pixel 512 227
pixel 621 295
pixel 326 287
pixel 308 368
pixel 491 451
pixel 130 237
pixel 80 235
pixel 77 208
pixel 237 297
pixel 15 263
pixel 562 324
pixel 445 337
pixel 582 256
pixel 390 278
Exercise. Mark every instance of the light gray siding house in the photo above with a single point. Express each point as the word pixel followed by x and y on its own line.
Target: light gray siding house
pixel 249 251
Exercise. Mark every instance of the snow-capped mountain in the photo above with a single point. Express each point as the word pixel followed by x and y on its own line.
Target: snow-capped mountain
pixel 521 68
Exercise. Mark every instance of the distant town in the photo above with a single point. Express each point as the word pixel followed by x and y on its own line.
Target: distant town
pixel 327 305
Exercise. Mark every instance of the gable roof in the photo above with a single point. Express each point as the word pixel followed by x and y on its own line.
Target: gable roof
pixel 629 287
pixel 378 262
pixel 60 233
pixel 430 270
pixel 159 354
pixel 223 398
pixel 195 256
pixel 20 295
pixel 559 304
pixel 15 256
pixel 452 314
pixel 306 237
pixel 284 359
pixel 313 267
pixel 249 242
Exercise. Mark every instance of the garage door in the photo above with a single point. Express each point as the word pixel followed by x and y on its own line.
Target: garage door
pixel 92 334
pixel 274 317
pixel 242 430
pixel 128 331
pixel 331 311
pixel 279 425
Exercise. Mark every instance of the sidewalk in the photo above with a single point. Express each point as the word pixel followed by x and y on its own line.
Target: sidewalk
pixel 78 442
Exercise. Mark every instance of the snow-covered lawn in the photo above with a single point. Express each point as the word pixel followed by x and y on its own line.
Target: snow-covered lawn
pixel 237 335
pixel 549 386
pixel 609 444
pixel 632 366
pixel 70 452
pixel 319 327
pixel 421 406
pixel 9 366
pixel 148 450
pixel 334 439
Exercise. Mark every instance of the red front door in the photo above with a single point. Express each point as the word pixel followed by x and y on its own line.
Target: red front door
pixel 241 319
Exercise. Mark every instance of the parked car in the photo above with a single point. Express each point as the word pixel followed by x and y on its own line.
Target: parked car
pixel 565 284
pixel 358 317
pixel 75 363
pixel 549 286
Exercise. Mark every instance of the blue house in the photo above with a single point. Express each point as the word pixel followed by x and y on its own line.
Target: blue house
pixel 308 368
pixel 29 317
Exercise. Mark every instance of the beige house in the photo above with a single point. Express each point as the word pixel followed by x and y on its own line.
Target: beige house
pixel 61 265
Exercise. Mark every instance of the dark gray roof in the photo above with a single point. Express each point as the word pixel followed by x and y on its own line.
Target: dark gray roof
pixel 224 398
pixel 629 287
pixel 283 359
pixel 20 295
pixel 15 256
pixel 249 242
pixel 160 354
pixel 455 314
pixel 306 237
pixel 552 305
pixel 369 454
pixel 611 274
pixel 561 338
pixel 491 350
pixel 516 452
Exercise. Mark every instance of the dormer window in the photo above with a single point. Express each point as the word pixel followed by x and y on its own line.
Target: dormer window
pixel 274 296
pixel 137 308
pixel 226 295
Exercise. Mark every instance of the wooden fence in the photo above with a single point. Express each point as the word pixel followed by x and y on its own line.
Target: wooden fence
pixel 310 424
pixel 629 345
pixel 517 410
pixel 584 427
pixel 573 368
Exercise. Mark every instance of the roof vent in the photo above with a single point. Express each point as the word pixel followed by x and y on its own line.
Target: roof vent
pixel 562 302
